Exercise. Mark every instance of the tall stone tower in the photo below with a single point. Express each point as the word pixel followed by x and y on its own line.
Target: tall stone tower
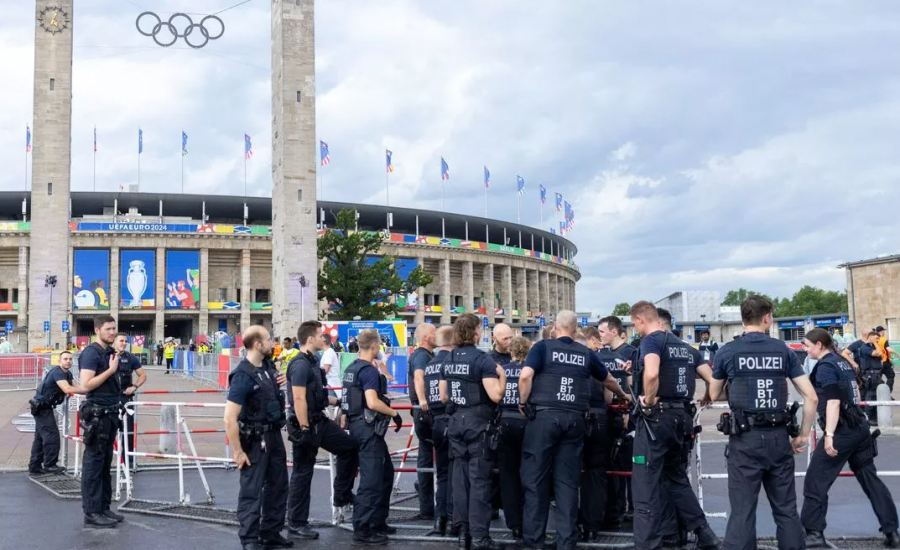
pixel 294 262
pixel 52 163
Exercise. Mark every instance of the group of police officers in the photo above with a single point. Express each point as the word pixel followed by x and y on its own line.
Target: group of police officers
pixel 554 417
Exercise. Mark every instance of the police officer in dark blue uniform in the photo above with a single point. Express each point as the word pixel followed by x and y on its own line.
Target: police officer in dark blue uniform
pixel 254 416
pixel 309 429
pixel 422 419
pixel 50 394
pixel 368 411
pixel 473 384
pixel 665 381
pixel 870 371
pixel 129 365
pixel 434 373
pixel 847 440
pixel 760 426
pixel 512 434
pixel 97 366
pixel 555 386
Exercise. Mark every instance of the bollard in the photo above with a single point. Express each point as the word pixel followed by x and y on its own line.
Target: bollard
pixel 885 412
pixel 167 423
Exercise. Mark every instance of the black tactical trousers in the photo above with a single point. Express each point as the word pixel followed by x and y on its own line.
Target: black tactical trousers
pixel 425 460
pixel 45 448
pixel 509 457
pixel 659 476
pixel 443 508
pixel 871 379
pixel 594 488
pixel 856 448
pixel 376 476
pixel 554 441
pixel 263 495
pixel 473 462
pixel 336 441
pixel 888 371
pixel 618 486
pixel 96 480
pixel 762 458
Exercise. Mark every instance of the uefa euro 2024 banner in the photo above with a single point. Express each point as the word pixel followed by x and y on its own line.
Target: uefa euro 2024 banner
pixel 182 279
pixel 90 285
pixel 137 279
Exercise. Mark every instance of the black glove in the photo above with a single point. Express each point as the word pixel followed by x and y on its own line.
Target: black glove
pixel 398 422
pixel 305 438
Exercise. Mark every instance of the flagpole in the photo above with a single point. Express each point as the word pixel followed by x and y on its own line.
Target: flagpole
pixel 485 200
pixel 245 169
pixel 26 168
pixel 442 193
pixel 95 158
pixel 139 168
pixel 182 161
pixel 518 208
pixel 542 214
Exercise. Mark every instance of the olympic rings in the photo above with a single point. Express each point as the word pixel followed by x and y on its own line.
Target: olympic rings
pixel 195 35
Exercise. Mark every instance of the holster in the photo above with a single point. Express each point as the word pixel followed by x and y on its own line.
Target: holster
pixel 251 433
pixel 450 407
pixel 491 439
pixel 425 417
pixel 875 434
pixel 529 411
pixel 38 406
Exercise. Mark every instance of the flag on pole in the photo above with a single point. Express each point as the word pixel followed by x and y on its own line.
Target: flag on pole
pixel 388 154
pixel 183 143
pixel 571 222
pixel 568 210
pixel 487 178
pixel 27 139
pixel 95 139
pixel 140 141
pixel 543 194
pixel 248 147
pixel 445 170
pixel 562 228
pixel 324 156
pixel 559 202
pixel 552 231
pixel 521 184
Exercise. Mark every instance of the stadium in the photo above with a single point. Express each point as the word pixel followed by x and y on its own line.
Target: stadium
pixel 189 266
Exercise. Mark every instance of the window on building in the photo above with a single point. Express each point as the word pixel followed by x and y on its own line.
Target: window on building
pixel 4 295
pixel 15 293
pixel 238 296
pixel 222 295
pixel 262 295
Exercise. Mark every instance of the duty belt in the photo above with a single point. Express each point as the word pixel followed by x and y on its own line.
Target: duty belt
pixel 481 411
pixel 677 405
pixel 440 416
pixel 510 413
pixel 597 410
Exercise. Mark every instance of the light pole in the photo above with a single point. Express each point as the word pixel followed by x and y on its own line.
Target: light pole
pixel 50 281
pixel 303 284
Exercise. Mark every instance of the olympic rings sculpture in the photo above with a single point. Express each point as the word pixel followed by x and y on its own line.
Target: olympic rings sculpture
pixel 195 35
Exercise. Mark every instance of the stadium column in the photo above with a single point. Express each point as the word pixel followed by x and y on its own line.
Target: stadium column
pixel 522 292
pixel 22 319
pixel 445 292
pixel 572 296
pixel 420 298
pixel 534 304
pixel 203 329
pixel 488 289
pixel 544 279
pixel 114 283
pixel 506 293
pixel 294 148
pixel 159 280
pixel 554 294
pixel 468 284
pixel 245 290
pixel 51 157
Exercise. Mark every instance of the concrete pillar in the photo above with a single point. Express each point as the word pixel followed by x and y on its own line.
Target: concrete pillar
pixel 565 294
pixel 534 304
pixel 544 280
pixel 294 150
pixel 506 292
pixel 488 287
pixel 51 157
pixel 574 301
pixel 522 291
pixel 420 298
pixel 159 280
pixel 115 285
pixel 554 295
pixel 468 284
pixel 245 290
pixel 203 328
pixel 445 292
pixel 22 319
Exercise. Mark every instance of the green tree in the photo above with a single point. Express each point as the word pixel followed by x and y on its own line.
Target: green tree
pixel 621 309
pixel 355 286
pixel 735 297
pixel 810 300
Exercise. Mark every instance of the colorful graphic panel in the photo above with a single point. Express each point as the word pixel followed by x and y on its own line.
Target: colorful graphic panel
pixel 90 283
pixel 137 279
pixel 182 279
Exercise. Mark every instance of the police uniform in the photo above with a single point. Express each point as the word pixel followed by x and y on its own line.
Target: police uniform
pixel 45 449
pixel 554 436
pixel 870 368
pixel 263 493
pixel 472 434
pixel 659 477
pixel 99 418
pixel 759 451
pixel 128 363
pixel 434 373
pixel 501 359
pixel 621 444
pixel 423 424
pixel 834 379
pixel 304 372
pixel 512 435
pixel 376 470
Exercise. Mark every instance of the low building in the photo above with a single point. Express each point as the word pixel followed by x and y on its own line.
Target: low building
pixel 873 294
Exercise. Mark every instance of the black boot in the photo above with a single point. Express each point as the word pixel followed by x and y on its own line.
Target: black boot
pixel 118 518
pixel 517 536
pixel 815 539
pixel 465 541
pixel 369 538
pixel 99 521
pixel 707 539
pixel 487 544
pixel 453 531
pixel 440 528
pixel 892 539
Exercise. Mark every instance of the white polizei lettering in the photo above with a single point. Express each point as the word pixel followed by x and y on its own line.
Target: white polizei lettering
pixel 564 358
pixel 678 352
pixel 760 363
pixel 460 369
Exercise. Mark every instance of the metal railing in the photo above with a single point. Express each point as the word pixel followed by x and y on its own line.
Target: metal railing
pixel 22 371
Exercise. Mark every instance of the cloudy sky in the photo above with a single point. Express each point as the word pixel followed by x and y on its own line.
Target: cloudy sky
pixel 705 144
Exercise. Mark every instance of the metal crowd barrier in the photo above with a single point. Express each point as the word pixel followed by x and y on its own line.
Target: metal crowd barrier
pixel 22 371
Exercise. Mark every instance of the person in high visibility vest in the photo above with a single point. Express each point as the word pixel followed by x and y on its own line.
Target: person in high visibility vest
pixel 169 354
pixel 288 352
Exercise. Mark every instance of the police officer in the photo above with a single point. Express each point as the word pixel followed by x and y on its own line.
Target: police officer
pixel 502 336
pixel 434 373
pixel 97 367
pixel 847 440
pixel 422 419
pixel 887 366
pixel 474 384
pixel 512 434
pixel 665 381
pixel 254 415
pixel 870 370
pixel 555 386
pixel 129 365
pixel 368 411
pixel 309 428
pixel 760 427
pixel 51 393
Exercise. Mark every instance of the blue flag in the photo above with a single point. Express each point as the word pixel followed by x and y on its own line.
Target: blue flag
pixel 521 184
pixel 140 141
pixel 543 194
pixel 487 178
pixel 559 202
pixel 183 143
pixel 445 170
